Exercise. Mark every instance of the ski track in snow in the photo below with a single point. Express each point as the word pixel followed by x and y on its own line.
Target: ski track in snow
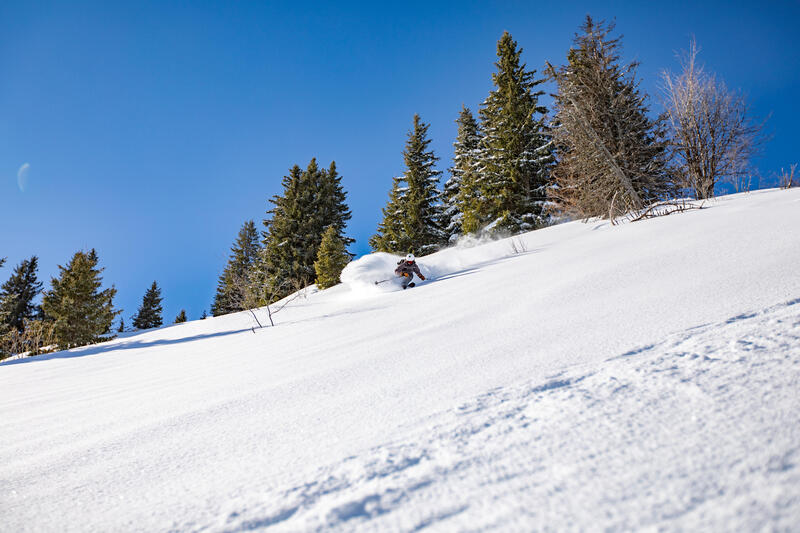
pixel 643 376
pixel 669 436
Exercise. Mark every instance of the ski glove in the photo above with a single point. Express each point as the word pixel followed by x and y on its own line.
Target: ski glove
pixel 422 277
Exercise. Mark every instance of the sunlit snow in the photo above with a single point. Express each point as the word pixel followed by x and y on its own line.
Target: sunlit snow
pixel 581 377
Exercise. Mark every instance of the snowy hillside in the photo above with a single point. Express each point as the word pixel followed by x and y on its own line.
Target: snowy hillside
pixel 643 375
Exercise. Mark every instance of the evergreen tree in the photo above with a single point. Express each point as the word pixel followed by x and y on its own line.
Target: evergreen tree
pixel 283 267
pixel 149 314
pixel 313 200
pixel 83 313
pixel 236 278
pixel 515 151
pixel 332 206
pixel 331 259
pixel 611 155
pixel 391 236
pixel 204 315
pixel 121 325
pixel 17 295
pixel 283 236
pixel 413 217
pixel 456 202
pixel 181 318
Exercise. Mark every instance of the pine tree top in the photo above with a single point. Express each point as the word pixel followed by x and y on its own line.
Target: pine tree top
pixel 245 253
pixel 149 314
pixel 247 245
pixel 413 216
pixel 467 143
pixel 17 295
pixel 512 79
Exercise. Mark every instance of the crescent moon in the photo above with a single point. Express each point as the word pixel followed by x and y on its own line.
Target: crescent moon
pixel 22 176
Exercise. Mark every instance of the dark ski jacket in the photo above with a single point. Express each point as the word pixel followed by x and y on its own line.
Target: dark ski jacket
pixel 404 267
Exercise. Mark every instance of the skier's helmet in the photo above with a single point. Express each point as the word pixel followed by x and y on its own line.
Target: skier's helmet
pixel 410 258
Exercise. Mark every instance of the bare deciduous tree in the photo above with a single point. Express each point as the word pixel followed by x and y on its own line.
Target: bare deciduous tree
pixel 787 179
pixel 249 293
pixel 243 293
pixel 713 134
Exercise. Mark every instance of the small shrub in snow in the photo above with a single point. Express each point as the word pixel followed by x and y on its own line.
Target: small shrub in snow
pixel 37 336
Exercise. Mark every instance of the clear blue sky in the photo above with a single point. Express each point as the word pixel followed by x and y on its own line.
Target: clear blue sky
pixel 152 130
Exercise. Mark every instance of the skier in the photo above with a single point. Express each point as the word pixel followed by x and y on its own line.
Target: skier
pixel 406 269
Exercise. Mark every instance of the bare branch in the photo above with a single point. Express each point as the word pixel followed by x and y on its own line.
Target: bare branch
pixel 518 246
pixel 787 179
pixel 662 209
pixel 37 336
pixel 713 135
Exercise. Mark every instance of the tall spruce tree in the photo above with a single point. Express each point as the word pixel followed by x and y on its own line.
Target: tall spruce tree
pixel 313 200
pixel 510 192
pixel 611 155
pixel 332 206
pixel 237 278
pixel 150 312
pixel 391 236
pixel 83 313
pixel 331 259
pixel 17 295
pixel 413 216
pixel 282 267
pixel 464 169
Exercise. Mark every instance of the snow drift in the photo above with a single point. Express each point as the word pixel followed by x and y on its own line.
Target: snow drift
pixel 581 377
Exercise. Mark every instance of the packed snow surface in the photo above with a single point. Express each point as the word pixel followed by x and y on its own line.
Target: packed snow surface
pixel 584 376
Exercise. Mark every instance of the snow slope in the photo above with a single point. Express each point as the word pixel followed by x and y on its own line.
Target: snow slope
pixel 643 375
